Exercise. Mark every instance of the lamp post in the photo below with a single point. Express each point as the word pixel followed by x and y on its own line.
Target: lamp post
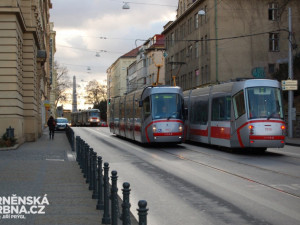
pixel 291 76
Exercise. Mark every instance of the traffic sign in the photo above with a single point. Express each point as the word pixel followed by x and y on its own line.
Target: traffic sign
pixel 289 85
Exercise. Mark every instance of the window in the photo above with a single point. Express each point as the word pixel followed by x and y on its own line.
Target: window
pixel 200 112
pixel 172 39
pixel 196 20
pixel 146 107
pixel 176 36
pixel 273 42
pixel 202 48
pixel 190 53
pixel 189 25
pixel 264 102
pixel 167 106
pixel 221 108
pixel 273 11
pixel 197 76
pixel 197 50
pixel 239 104
pixel 206 45
pixel 182 59
pixel 271 68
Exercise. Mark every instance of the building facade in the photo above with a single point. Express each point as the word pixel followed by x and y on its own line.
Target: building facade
pixel 149 66
pixel 24 67
pixel 154 51
pixel 213 41
pixel 52 71
pixel 117 75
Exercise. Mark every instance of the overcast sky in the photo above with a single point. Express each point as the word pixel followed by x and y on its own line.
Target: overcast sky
pixel 85 27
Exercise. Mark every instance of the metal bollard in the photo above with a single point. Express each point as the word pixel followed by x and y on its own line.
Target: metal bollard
pixel 72 140
pixel 142 212
pixel 114 198
pixel 95 193
pixel 100 204
pixel 82 150
pixel 84 159
pixel 90 167
pixel 77 148
pixel 126 204
pixel 87 153
pixel 106 216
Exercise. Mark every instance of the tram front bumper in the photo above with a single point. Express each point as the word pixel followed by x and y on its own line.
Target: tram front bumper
pixel 267 141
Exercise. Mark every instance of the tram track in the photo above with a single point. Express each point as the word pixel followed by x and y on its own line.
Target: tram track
pixel 242 163
pixel 189 159
pixel 235 174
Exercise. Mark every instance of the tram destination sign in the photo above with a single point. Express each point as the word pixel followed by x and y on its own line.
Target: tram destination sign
pixel 289 85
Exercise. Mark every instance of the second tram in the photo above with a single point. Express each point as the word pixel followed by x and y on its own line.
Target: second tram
pixel 239 114
pixel 149 115
pixel 89 117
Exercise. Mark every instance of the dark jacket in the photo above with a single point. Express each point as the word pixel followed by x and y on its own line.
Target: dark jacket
pixel 51 123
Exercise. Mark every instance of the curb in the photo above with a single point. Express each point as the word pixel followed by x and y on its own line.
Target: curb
pixel 15 147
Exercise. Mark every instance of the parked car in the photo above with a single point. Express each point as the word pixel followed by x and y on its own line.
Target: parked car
pixel 61 123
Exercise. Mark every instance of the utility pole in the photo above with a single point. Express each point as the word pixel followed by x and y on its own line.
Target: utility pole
pixel 291 77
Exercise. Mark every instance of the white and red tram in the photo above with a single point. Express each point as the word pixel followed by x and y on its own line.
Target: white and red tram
pixel 238 114
pixel 150 115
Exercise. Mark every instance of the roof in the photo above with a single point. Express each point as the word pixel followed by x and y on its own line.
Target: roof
pixel 132 53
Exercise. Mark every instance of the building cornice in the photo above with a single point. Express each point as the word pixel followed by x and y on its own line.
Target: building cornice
pixel 171 24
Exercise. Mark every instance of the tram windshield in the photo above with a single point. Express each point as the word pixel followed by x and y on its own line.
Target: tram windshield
pixel 95 114
pixel 167 106
pixel 264 102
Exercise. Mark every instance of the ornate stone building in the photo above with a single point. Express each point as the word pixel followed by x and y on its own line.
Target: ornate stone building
pixel 24 66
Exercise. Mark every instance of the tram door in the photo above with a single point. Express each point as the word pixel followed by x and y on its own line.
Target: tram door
pixel 239 114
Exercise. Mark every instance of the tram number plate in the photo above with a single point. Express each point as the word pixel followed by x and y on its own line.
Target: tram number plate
pixel 268 129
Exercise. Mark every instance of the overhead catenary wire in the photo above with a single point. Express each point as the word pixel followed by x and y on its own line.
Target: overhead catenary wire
pixel 144 3
pixel 89 50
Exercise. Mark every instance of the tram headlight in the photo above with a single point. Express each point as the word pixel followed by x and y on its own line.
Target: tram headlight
pixel 251 129
pixel 154 129
pixel 180 128
pixel 283 129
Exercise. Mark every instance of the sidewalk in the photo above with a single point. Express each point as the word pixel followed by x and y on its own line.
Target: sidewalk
pixel 47 167
pixel 292 141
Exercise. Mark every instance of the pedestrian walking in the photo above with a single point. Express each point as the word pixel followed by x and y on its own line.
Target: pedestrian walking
pixel 51 124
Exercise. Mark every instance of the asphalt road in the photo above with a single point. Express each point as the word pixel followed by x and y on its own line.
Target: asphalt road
pixel 192 184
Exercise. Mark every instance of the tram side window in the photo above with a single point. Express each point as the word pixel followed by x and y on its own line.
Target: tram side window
pixel 200 112
pixel 146 107
pixel 137 111
pixel 221 108
pixel 239 104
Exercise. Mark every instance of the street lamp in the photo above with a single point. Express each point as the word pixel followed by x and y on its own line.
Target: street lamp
pixel 126 6
pixel 201 12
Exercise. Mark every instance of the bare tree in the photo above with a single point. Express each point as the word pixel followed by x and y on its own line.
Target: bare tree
pixel 63 84
pixel 95 92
